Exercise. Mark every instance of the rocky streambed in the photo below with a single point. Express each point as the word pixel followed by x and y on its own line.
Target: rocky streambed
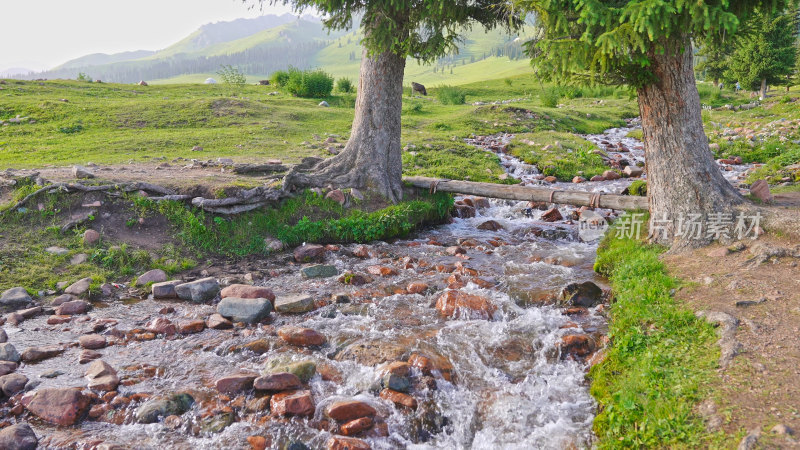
pixel 477 334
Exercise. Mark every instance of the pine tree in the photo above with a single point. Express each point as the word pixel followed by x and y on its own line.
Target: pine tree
pixel 647 45
pixel 715 54
pixel 766 53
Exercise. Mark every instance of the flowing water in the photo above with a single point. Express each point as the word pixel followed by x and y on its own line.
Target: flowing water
pixel 499 383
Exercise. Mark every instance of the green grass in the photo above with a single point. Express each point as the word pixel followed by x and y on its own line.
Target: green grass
pixel 306 218
pixel 560 154
pixel 660 360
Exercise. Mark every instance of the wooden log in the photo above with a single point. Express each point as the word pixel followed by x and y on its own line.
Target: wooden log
pixel 533 194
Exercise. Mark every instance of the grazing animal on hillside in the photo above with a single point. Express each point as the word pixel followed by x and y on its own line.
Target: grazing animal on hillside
pixel 416 87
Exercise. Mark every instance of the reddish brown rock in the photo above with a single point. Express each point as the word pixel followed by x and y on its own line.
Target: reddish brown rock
pixel 63 406
pixel 92 341
pixel 309 253
pixel 7 367
pixel 233 384
pixel 550 179
pixel 464 211
pixel 257 442
pixel 295 403
pixel 552 215
pixel 576 345
pixel 35 354
pixel 577 180
pixel 399 399
pixel 191 326
pixel 490 225
pixel 598 178
pixel 356 426
pixel 458 304
pixel 417 288
pixel 382 271
pixel 345 411
pixel 217 322
pixel 455 250
pixel 395 367
pixel 303 337
pixel 72 308
pixel 760 190
pixel 337 196
pixel 247 291
pixel 611 175
pixel 346 443
pixel 88 355
pixel 161 325
pixel 361 251
pixel 281 381
pixel 58 320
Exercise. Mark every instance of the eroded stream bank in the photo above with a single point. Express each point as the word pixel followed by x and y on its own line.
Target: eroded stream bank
pixel 450 339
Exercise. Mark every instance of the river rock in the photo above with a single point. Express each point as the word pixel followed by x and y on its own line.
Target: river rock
pixel 760 190
pixel 92 341
pixel 248 310
pixel 576 345
pixel 293 304
pixel 79 288
pixel 198 291
pixel 356 426
pixel 233 384
pixel 175 404
pixel 399 398
pixel 153 276
pixel 247 291
pixel 72 308
pixel 59 406
pixel 281 381
pixel 15 298
pixel 633 171
pixel 8 353
pixel 90 237
pixel 337 195
pixel 18 437
pixel 295 403
pixel 217 322
pixel 309 253
pixel 611 175
pixel 319 271
pixel 7 367
pixel 161 325
pixel 598 178
pixel 396 382
pixel 490 225
pixel 36 354
pixel 13 383
pixel 371 352
pixel 57 251
pixel 165 289
pixel 303 337
pixel 61 299
pixel 586 294
pixel 88 355
pixel 3 336
pixel 416 288
pixel 552 215
pixel 346 443
pixel 102 376
pixel 458 304
pixel 347 410
pixel 304 370
pixel 191 326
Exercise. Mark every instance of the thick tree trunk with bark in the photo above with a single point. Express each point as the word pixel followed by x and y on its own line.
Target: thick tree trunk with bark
pixel 683 177
pixel 371 160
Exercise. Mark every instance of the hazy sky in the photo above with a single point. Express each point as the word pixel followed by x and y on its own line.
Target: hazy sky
pixel 41 34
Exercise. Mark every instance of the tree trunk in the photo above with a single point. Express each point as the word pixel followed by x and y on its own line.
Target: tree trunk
pixel 683 177
pixel 763 89
pixel 371 159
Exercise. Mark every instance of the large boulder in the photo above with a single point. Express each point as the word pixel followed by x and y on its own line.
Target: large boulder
pixel 18 437
pixel 309 253
pixel 14 299
pixel 760 190
pixel 165 289
pixel 72 308
pixel 36 354
pixel 79 288
pixel 247 291
pixel 13 383
pixel 59 406
pixel 199 291
pixel 586 294
pixel 248 310
pixel 173 405
pixel 102 376
pixel 153 276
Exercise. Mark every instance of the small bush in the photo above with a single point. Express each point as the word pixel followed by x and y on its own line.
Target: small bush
pixel 279 78
pixel 414 108
pixel 638 188
pixel 344 85
pixel 84 77
pixel 786 99
pixel 232 76
pixel 309 83
pixel 550 98
pixel 508 82
pixel 450 95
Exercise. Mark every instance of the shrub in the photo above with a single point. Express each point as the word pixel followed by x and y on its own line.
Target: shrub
pixel 450 95
pixel 84 77
pixel 508 82
pixel 550 98
pixel 232 76
pixel 279 78
pixel 414 108
pixel 344 85
pixel 309 83
pixel 638 187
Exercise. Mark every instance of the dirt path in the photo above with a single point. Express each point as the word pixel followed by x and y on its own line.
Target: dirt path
pixel 759 390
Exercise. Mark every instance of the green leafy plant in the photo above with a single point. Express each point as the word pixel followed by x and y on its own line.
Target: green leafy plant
pixel 232 76
pixel 451 95
pixel 84 77
pixel 550 98
pixel 279 78
pixel 71 129
pixel 344 85
pixel 309 83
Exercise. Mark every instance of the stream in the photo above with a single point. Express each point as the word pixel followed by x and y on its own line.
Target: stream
pixel 498 382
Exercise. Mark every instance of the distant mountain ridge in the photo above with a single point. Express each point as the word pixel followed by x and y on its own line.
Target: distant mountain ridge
pixel 262 45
